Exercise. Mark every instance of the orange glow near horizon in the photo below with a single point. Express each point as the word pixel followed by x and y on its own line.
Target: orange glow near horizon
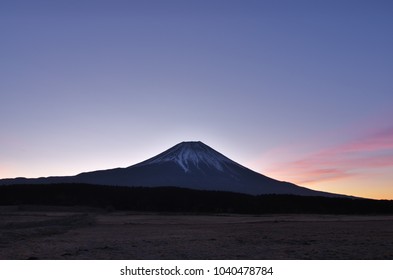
pixel 374 186
pixel 361 167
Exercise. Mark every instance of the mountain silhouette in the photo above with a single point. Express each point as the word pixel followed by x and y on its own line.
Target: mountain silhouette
pixel 191 165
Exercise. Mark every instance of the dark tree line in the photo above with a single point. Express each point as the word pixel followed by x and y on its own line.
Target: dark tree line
pixel 171 199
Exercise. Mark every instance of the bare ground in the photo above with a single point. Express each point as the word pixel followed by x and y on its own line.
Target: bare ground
pixel 77 233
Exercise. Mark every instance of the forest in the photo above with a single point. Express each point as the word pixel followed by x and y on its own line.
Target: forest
pixel 182 200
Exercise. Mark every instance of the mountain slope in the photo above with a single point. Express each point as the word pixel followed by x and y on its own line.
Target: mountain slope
pixel 188 164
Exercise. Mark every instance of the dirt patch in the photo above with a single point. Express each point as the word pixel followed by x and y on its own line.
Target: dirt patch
pixel 126 235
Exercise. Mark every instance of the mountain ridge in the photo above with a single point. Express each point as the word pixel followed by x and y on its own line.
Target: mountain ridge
pixel 190 164
pixel 192 152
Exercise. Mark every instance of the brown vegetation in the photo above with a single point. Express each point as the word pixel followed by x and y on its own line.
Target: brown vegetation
pixel 45 232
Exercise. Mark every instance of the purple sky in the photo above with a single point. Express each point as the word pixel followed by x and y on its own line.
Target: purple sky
pixel 300 91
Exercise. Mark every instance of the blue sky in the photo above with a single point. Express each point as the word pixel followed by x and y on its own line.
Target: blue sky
pixel 282 87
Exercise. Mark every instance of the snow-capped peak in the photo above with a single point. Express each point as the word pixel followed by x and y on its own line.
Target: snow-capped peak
pixel 188 154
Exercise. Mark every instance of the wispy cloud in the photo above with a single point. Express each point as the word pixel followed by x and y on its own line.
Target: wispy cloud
pixel 350 159
pixel 382 140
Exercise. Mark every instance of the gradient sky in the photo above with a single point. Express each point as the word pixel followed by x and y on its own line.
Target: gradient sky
pixel 300 91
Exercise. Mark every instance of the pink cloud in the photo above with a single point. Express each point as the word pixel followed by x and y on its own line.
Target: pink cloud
pixel 351 159
pixel 382 140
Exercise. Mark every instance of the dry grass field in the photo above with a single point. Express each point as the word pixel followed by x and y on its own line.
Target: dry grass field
pixel 80 233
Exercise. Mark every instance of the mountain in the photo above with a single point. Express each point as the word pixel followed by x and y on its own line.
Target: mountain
pixel 191 165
